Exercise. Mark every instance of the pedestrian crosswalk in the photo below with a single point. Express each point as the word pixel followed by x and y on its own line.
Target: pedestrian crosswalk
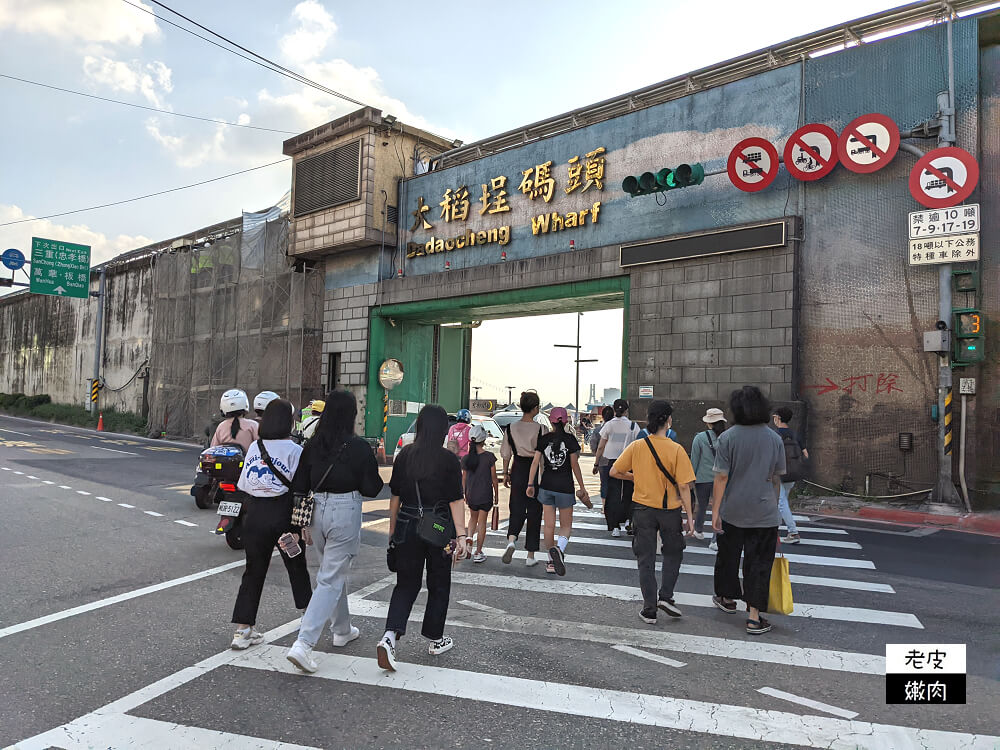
pixel 698 674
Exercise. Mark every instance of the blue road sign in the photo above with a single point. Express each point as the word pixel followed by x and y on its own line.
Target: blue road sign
pixel 12 259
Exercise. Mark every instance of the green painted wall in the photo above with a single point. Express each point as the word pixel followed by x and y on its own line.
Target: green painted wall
pixel 454 368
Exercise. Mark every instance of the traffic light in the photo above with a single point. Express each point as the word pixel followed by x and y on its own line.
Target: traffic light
pixel 666 179
pixel 969 336
pixel 965 280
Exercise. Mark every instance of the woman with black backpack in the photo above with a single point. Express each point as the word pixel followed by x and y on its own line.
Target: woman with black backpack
pixel 266 479
pixel 338 468
pixel 426 529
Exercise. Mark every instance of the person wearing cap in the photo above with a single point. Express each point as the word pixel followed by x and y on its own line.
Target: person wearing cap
pixel 557 454
pixel 481 487
pixel 310 418
pixel 703 451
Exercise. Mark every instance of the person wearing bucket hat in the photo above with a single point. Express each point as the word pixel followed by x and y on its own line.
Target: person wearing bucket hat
pixel 557 454
pixel 703 451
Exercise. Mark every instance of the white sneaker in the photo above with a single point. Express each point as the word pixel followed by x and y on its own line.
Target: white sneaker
pixel 713 546
pixel 386 654
pixel 301 656
pixel 698 535
pixel 246 638
pixel 508 554
pixel 343 640
pixel 440 646
pixel 616 532
pixel 530 562
pixel 479 557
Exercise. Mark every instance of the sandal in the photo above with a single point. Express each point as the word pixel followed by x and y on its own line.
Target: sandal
pixel 756 627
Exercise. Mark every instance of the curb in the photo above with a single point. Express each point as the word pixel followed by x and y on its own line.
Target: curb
pixel 971 523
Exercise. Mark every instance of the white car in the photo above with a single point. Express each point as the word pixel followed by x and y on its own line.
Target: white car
pixel 493 442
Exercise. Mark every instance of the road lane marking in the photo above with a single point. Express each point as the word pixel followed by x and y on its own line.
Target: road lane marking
pixel 185 523
pixel 114 450
pixel 124 730
pixel 47 481
pixel 719 719
pixel 126 505
pixel 22 434
pixel 153 513
pixel 376 522
pixel 632 594
pixel 808 703
pixel 647 655
pixel 4 468
pixel 20 473
pixel 65 487
pixel 659 639
pixel 481 607
pixel 32 477
pixel 105 499
pixel 82 492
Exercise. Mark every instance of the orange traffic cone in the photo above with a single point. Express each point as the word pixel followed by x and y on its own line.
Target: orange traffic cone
pixel 100 422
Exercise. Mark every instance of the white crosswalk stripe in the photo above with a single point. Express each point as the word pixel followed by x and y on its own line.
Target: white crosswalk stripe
pixel 497 602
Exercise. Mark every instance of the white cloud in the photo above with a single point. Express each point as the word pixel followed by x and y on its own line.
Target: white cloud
pixel 189 151
pixel 152 80
pixel 316 28
pixel 102 247
pixel 110 21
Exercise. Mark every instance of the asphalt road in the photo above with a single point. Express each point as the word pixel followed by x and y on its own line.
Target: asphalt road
pixel 116 601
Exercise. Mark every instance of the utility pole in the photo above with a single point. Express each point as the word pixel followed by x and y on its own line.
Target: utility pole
pixel 510 393
pixel 98 337
pixel 476 389
pixel 945 491
pixel 576 392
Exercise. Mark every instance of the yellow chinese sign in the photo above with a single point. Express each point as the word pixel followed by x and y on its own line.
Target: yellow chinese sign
pixel 583 172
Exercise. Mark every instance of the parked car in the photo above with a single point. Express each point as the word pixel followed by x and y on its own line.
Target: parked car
pixel 505 418
pixel 492 442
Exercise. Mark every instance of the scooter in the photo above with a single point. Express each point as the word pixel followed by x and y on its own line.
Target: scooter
pixel 215 484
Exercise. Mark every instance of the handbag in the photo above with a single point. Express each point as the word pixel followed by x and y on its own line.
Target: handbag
pixel 431 527
pixel 495 520
pixel 779 595
pixel 302 509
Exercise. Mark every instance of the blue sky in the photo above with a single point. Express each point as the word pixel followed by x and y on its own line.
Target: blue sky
pixel 466 71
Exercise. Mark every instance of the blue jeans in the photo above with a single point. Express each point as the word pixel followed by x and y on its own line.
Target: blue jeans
pixel 556 499
pixel 605 472
pixel 336 532
pixel 785 509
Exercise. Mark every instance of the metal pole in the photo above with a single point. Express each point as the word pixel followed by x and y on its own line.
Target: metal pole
pixel 576 393
pixel 98 336
pixel 961 460
pixel 945 491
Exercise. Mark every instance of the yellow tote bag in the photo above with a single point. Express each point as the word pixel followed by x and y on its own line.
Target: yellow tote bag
pixel 779 597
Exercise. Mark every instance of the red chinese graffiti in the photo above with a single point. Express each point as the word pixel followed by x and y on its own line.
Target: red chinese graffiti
pixel 883 382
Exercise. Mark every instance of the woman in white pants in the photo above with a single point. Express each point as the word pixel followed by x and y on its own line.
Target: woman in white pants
pixel 339 468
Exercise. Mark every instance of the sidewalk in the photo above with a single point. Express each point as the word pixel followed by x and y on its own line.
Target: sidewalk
pixel 934 515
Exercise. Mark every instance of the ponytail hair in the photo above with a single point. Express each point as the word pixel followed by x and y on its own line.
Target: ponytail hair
pixel 471 461
pixel 234 429
pixel 621 407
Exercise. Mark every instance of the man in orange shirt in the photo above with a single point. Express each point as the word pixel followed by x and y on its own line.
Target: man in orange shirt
pixel 663 478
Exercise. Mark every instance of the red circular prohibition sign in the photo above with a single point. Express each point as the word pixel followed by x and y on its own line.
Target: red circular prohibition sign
pixel 811 152
pixel 868 143
pixel 944 177
pixel 761 158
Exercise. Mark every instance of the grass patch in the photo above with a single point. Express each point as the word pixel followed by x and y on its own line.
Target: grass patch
pixel 41 407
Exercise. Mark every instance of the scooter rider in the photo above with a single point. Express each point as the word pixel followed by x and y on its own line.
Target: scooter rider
pixel 260 402
pixel 236 428
pixel 458 434
pixel 310 419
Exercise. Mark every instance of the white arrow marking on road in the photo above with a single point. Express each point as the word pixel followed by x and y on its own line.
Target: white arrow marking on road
pixel 808 703
pixel 647 655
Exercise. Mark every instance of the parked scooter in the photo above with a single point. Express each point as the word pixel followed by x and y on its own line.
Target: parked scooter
pixel 215 485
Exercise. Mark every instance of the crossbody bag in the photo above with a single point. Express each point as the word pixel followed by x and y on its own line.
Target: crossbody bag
pixel 302 510
pixel 667 474
pixel 266 458
pixel 432 527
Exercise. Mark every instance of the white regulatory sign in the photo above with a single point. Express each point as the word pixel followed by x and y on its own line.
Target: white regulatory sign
pixel 942 221
pixel 967 386
pixel 955 248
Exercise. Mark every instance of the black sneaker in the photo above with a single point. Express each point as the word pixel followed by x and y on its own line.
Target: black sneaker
pixel 648 616
pixel 556 558
pixel 727 607
pixel 668 606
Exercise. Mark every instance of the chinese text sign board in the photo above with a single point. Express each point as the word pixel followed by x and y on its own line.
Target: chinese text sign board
pixel 922 673
pixel 939 222
pixel 956 248
pixel 60 268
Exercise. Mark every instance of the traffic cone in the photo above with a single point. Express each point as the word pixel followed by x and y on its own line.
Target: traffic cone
pixel 100 422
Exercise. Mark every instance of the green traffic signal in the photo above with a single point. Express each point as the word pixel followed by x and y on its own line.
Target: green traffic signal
pixel 967 323
pixel 663 180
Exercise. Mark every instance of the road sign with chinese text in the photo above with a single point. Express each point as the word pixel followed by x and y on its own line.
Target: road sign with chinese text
pixel 944 177
pixel 752 164
pixel 811 152
pixel 944 221
pixel 868 143
pixel 12 258
pixel 957 248
pixel 60 268
pixel 967 386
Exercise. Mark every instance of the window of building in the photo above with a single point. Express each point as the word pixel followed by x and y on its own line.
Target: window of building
pixel 328 179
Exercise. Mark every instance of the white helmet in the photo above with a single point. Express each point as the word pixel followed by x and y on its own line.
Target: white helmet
pixel 234 400
pixel 478 434
pixel 262 399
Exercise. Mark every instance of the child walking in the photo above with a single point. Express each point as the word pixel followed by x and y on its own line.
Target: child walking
pixel 482 488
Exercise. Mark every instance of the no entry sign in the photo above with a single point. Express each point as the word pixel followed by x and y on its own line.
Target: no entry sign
pixel 868 143
pixel 811 152
pixel 944 177
pixel 753 164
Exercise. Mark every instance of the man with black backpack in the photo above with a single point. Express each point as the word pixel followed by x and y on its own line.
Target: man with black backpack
pixel 663 476
pixel 795 457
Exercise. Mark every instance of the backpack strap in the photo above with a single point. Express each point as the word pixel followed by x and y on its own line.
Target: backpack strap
pixel 270 464
pixel 667 474
pixel 708 436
